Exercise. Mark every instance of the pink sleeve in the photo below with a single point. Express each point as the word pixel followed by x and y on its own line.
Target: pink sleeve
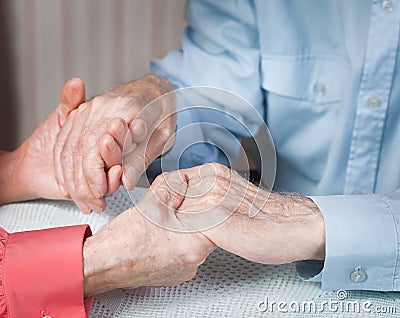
pixel 41 273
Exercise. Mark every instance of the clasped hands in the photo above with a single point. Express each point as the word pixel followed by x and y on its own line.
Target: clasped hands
pixel 76 153
pixel 186 214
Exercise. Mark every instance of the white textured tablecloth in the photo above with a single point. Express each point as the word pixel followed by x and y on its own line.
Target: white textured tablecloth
pixel 225 286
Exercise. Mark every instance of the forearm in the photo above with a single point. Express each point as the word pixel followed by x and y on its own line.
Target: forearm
pixel 98 269
pixel 107 258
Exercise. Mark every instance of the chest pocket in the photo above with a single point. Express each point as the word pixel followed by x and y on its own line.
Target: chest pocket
pixel 317 79
pixel 304 95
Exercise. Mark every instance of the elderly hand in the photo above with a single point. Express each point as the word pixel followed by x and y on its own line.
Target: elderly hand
pixel 29 168
pixel 28 172
pixel 241 218
pixel 79 165
pixel 131 251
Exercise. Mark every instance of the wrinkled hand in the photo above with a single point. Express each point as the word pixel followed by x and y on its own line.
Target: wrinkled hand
pixel 34 173
pixel 132 251
pixel 243 219
pixel 100 126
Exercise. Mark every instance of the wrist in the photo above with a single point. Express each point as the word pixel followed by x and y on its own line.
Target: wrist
pixel 306 224
pixel 12 189
pixel 108 259
pixel 144 89
pixel 312 231
pixel 317 231
pixel 96 268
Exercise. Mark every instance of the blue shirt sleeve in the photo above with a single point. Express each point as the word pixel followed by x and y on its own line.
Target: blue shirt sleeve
pixel 222 53
pixel 362 243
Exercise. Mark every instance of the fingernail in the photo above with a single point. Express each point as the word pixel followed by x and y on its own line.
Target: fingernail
pixel 138 127
pixel 120 129
pixel 112 145
pixel 97 208
pixel 83 207
pixel 131 177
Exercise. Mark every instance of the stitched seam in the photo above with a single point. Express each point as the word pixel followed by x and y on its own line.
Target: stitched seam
pixel 4 277
pixel 306 55
pixel 397 238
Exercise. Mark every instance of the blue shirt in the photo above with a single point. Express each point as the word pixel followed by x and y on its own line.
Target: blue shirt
pixel 324 74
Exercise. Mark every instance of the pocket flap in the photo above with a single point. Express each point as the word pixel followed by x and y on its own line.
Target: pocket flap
pixel 315 78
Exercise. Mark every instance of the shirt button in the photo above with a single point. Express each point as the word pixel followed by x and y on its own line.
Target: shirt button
pixel 388 5
pixel 319 89
pixel 374 101
pixel 358 275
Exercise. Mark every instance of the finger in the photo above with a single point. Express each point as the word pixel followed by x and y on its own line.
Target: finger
pixel 135 163
pixel 71 159
pixel 113 179
pixel 82 191
pixel 146 122
pixel 110 151
pixel 72 95
pixel 118 128
pixel 93 167
pixel 169 190
pixel 139 129
pixel 60 155
pixel 98 205
pixel 137 160
pixel 83 207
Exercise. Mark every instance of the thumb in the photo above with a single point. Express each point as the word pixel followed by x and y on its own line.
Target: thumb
pixel 168 189
pixel 73 93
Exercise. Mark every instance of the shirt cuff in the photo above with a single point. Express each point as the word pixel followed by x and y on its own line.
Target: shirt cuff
pixel 43 273
pixel 361 244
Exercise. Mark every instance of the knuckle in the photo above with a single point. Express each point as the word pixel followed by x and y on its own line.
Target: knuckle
pixel 88 139
pixel 158 180
pixel 195 256
pixel 214 198
pixel 191 257
pixel 83 192
pixel 66 157
pixel 189 275
pixel 98 100
pixel 163 194
pixel 223 183
pixel 165 134
pixel 57 147
pixel 128 102
pixel 219 168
